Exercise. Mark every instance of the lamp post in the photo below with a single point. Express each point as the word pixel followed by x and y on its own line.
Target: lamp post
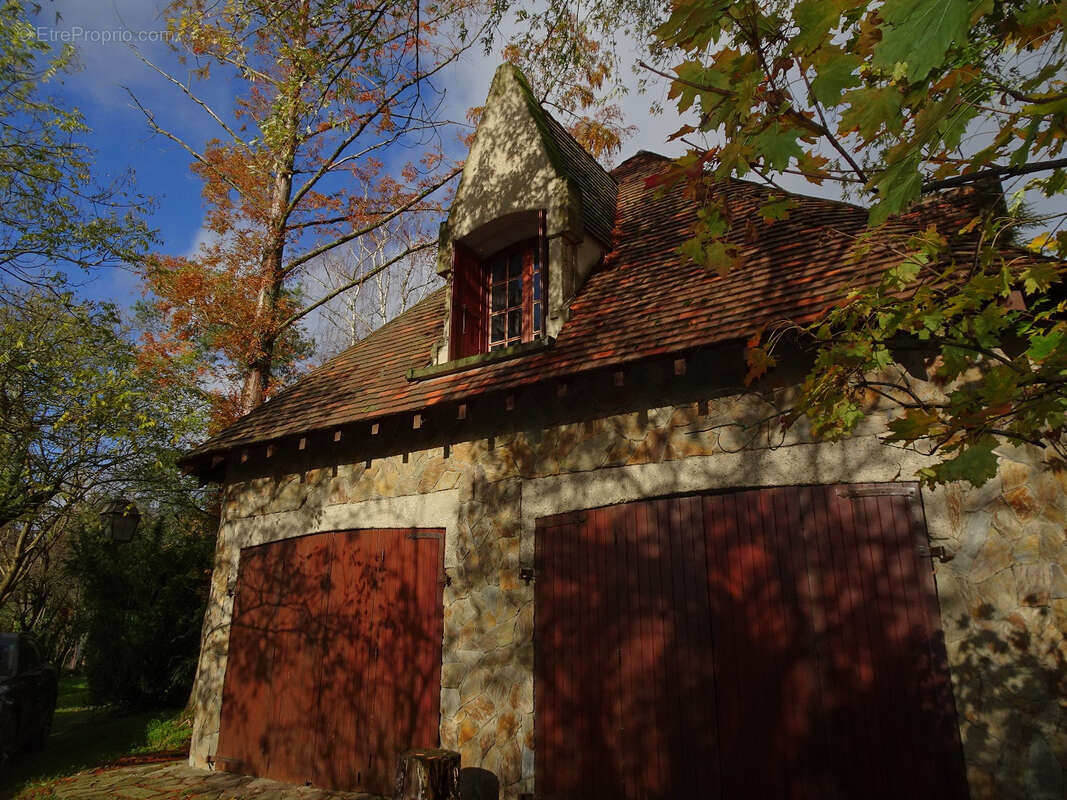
pixel 121 518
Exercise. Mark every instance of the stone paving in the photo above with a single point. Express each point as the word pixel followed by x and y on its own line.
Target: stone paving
pixel 176 780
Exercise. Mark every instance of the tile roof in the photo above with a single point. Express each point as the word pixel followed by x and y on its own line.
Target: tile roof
pixel 645 300
pixel 598 188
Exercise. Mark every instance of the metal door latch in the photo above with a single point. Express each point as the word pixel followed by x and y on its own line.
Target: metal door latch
pixel 938 552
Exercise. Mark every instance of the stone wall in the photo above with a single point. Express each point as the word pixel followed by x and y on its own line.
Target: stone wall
pixel 1004 613
pixel 1003 595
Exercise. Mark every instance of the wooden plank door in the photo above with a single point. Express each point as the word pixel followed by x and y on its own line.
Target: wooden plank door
pixel 245 731
pixel 381 680
pixel 347 689
pixel 888 699
pixel 775 643
pixel 406 706
pixel 272 672
pixel 335 658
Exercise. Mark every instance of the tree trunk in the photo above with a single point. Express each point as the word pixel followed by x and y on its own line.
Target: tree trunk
pixel 273 278
pixel 427 775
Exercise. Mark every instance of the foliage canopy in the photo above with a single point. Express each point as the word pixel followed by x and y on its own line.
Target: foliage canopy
pixel 52 212
pixel 335 137
pixel 891 101
pixel 79 419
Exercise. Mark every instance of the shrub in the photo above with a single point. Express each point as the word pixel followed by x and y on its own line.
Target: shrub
pixel 145 602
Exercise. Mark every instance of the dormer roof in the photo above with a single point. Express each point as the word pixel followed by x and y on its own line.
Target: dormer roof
pixel 598 189
pixel 523 160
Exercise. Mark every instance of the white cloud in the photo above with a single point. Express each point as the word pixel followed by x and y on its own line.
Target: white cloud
pixel 108 38
pixel 468 82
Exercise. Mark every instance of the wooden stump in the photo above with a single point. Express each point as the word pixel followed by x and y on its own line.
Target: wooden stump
pixel 427 775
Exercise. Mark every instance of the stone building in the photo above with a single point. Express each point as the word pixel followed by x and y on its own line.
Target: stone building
pixel 535 519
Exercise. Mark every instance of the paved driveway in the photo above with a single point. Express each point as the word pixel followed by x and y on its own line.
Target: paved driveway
pixel 174 780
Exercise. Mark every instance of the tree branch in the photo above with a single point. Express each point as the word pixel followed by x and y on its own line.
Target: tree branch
pixel 181 143
pixel 355 234
pixel 994 172
pixel 193 97
pixel 353 283
pixel 830 137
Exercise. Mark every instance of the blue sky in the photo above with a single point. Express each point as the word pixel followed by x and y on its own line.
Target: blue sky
pixel 102 31
pixel 120 136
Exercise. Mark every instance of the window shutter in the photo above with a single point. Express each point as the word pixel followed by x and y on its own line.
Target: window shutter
pixel 542 252
pixel 469 312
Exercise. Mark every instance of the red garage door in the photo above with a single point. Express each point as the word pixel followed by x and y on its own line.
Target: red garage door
pixel 772 643
pixel 334 663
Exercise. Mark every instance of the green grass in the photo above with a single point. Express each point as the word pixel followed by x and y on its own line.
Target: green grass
pixel 86 736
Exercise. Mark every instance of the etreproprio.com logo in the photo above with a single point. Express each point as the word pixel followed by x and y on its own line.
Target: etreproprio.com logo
pixel 78 34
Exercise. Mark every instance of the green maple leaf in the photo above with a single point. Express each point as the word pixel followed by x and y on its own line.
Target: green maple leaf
pixel 915 424
pixel 872 108
pixel 815 19
pixel 837 73
pixel 777 208
pixel 1039 277
pixel 1044 345
pixel 975 463
pixel 918 33
pixel 897 187
pixel 777 145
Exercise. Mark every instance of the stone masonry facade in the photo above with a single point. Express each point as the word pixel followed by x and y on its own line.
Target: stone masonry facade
pixel 1003 594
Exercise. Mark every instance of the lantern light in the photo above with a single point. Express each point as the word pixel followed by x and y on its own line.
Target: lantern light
pixel 121 518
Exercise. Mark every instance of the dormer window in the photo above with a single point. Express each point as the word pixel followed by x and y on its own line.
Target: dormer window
pixel 498 300
pixel 515 295
pixel 532 217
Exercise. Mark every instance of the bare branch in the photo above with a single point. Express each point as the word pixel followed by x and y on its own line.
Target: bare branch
pixel 189 92
pixel 181 142
pixel 325 248
pixel 355 282
pixel 995 172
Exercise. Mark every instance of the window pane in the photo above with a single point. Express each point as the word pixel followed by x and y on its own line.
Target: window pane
pixel 537 286
pixel 498 328
pixel 515 263
pixel 537 318
pixel 500 267
pixel 514 293
pixel 514 324
pixel 498 297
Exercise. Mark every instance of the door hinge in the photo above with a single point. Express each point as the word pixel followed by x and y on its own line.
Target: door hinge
pixel 938 552
pixel 882 490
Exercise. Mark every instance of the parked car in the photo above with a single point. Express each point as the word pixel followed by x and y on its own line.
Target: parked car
pixel 28 689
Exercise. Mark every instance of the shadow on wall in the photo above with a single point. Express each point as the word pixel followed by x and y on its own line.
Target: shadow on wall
pixel 1012 680
pixel 826 675
pixel 334 659
pixel 793 714
pixel 773 643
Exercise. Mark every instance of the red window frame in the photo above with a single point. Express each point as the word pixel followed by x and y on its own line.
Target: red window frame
pixel 507 291
pixel 516 295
